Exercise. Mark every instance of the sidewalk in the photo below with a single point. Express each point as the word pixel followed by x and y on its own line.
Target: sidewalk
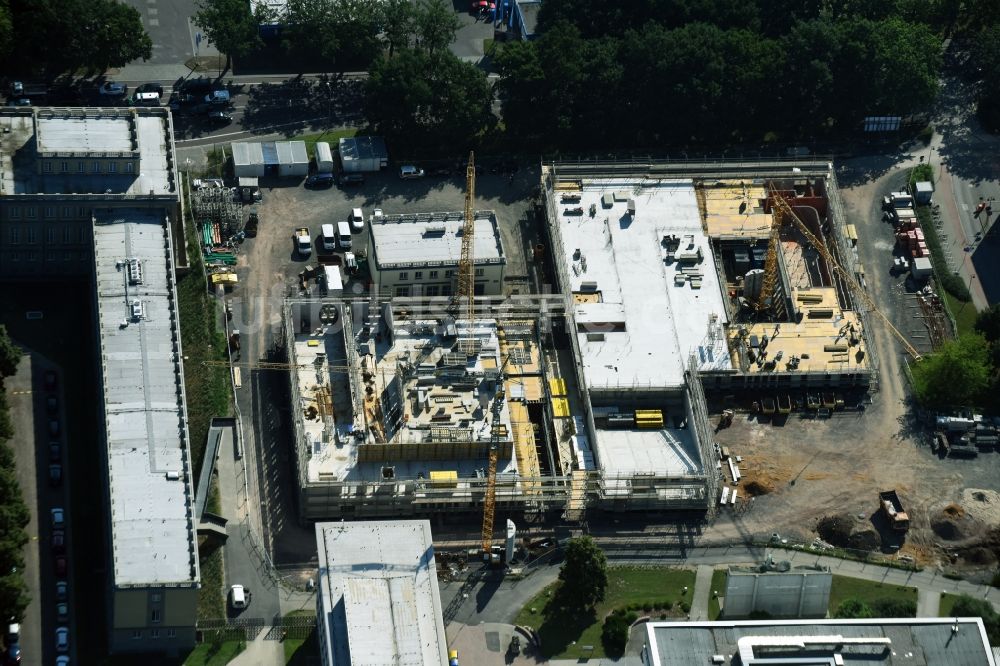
pixel 261 651
pixel 702 591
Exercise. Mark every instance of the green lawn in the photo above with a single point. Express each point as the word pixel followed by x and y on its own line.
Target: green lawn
pixel 719 577
pixel 214 654
pixel 302 651
pixel 947 602
pixel 964 313
pixel 655 588
pixel 332 137
pixel 845 587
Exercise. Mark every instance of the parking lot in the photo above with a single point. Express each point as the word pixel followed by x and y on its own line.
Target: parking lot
pixel 36 403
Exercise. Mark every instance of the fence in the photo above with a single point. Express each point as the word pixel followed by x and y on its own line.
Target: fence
pixel 248 628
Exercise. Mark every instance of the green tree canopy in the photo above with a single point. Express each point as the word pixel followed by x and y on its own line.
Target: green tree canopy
pixel 436 24
pixel 398 24
pixel 853 608
pixel 6 30
pixel 230 26
pixel 584 574
pixel 428 102
pixel 10 354
pixel 957 375
pixel 891 607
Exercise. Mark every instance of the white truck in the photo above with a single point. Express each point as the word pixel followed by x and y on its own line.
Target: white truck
pixel 303 242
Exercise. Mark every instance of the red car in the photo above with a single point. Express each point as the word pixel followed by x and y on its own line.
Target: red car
pixel 58 542
pixel 61 566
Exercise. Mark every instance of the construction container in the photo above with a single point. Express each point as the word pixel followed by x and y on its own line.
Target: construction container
pixel 444 479
pixel 767 406
pixel 557 387
pixel 324 157
pixel 560 408
pixel 784 404
pixel 649 418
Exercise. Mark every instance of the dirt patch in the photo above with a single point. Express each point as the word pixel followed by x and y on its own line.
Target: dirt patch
pixel 949 530
pixel 979 555
pixel 982 505
pixel 815 476
pixel 954 511
pixel 757 488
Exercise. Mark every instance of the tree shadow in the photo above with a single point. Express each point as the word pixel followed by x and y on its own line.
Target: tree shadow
pixel 562 626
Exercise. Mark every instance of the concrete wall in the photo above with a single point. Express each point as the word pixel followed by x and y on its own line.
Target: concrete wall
pixel 789 594
pixel 436 281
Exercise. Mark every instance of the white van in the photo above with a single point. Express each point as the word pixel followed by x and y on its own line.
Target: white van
pixel 344 235
pixel 357 220
pixel 147 99
pixel 328 237
pixel 238 597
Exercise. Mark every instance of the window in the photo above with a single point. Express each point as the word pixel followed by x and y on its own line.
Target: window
pixel 433 275
pixel 480 272
pixel 154 633
pixel 129 167
pixel 112 167
pixel 81 211
pixel 81 235
pixel 80 166
pixel 446 290
pixel 155 597
pixel 15 256
pixel 137 635
pixel 47 167
pixel 479 289
pixel 433 290
pixel 171 633
pixel 67 256
pixel 50 234
pixel 15 212
pixel 50 211
pixel 32 236
pixel 30 212
pixel 15 236
pixel 404 275
pixel 95 166
pixel 67 234
pixel 67 212
pixel 64 167
pixel 449 273
pixel 418 275
pixel 403 291
pixel 154 616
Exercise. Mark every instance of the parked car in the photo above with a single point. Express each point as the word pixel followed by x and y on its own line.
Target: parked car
pixel 150 88
pixel 62 639
pixel 217 97
pixel 408 171
pixel 60 566
pixel 62 591
pixel 54 427
pixel 350 179
pixel 51 380
pixel 58 541
pixel 250 228
pixel 20 101
pixel 112 89
pixel 180 101
pixel 58 518
pixel 12 656
pixel 319 180
pixel 219 118
pixel 62 612
pixel 62 660
pixel 55 475
pixel 55 451
pixel 52 404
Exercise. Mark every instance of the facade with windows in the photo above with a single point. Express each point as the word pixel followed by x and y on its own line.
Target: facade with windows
pixel 61 167
pixel 417 255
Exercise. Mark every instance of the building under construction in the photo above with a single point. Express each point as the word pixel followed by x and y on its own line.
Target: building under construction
pixel 668 287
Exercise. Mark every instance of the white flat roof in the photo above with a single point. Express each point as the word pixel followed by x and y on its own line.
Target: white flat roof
pixel 434 238
pixel 379 594
pixel 84 134
pixel 154 171
pixel 672 451
pixel 149 475
pixel 651 324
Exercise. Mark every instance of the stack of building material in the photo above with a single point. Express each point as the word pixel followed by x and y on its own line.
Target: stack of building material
pixel 582 453
pixel 649 419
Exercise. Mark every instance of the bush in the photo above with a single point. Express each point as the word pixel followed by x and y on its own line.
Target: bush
pixel 926 134
pixel 853 608
pixel 614 633
pixel 894 608
pixel 946 279
pixel 685 607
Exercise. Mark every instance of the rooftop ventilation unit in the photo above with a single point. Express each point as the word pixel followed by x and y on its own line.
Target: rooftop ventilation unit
pixel 173 476
pixel 435 230
pixel 134 271
pixel 137 310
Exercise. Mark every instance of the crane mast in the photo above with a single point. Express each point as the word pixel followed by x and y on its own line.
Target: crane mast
pixel 466 263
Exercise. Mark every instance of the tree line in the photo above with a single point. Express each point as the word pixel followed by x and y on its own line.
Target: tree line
pixel 48 38
pixel 14 516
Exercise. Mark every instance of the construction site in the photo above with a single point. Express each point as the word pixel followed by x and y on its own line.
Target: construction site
pixel 669 287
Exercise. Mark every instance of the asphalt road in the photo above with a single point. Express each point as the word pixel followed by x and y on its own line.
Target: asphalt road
pixel 168 25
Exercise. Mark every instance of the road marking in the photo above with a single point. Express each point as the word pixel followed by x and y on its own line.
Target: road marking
pixel 21 392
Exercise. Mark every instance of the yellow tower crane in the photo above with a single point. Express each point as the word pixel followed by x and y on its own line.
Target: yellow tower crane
pixel 781 208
